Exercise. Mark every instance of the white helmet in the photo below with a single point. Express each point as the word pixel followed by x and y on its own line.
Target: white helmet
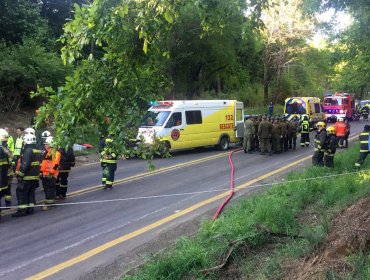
pixel 340 120
pixel 49 141
pixel 29 139
pixel 29 130
pixel 3 135
pixel 45 134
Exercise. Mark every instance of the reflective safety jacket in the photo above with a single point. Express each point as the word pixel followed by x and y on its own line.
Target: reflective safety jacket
pixel 29 168
pixel 305 126
pixel 331 144
pixel 340 128
pixel 50 163
pixel 108 155
pixel 320 140
pixel 18 146
pixel 10 143
pixel 364 142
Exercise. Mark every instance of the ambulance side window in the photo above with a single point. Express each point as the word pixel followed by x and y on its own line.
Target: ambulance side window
pixel 193 117
pixel 174 120
pixel 317 108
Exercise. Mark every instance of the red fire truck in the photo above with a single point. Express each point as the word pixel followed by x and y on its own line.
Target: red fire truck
pixel 339 105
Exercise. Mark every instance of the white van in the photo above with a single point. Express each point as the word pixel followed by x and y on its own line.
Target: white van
pixel 194 123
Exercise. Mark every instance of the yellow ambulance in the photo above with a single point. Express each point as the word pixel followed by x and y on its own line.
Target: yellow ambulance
pixel 298 106
pixel 183 124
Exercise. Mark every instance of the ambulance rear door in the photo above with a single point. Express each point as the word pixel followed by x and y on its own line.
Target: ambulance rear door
pixel 239 119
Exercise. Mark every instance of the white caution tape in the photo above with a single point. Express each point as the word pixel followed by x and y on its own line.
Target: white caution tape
pixel 283 181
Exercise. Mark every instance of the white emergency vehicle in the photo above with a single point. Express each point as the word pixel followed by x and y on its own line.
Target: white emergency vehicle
pixel 193 123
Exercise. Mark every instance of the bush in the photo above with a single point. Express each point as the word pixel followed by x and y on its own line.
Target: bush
pixel 22 68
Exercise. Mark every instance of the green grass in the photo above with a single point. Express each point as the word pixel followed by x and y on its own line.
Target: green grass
pixel 275 210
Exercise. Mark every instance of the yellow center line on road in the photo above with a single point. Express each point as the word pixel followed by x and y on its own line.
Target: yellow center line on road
pixel 110 244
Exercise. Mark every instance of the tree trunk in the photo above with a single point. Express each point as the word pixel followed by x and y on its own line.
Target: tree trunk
pixel 266 66
pixel 277 84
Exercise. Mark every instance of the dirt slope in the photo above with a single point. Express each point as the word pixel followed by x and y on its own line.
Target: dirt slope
pixel 349 232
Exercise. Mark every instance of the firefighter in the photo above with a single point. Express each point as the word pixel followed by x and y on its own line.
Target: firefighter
pixel 108 161
pixel 331 147
pixel 364 146
pixel 264 134
pixel 44 136
pixel 4 163
pixel 18 146
pixel 305 131
pixel 28 176
pixel 365 112
pixel 320 141
pixel 30 130
pixel 341 130
pixel 348 132
pixel 49 171
pixel 248 135
pixel 67 160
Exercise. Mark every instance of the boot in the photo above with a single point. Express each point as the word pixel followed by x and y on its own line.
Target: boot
pixel 19 213
pixel 8 203
pixel 293 147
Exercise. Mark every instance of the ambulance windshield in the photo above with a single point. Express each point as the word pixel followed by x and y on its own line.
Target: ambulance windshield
pixel 155 118
pixel 295 108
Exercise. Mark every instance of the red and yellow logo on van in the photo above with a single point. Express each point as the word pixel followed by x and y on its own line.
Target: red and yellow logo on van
pixel 175 134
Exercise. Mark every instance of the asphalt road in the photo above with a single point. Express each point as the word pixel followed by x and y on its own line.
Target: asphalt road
pixel 73 240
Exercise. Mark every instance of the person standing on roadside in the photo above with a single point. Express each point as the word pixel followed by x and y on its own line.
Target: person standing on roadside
pixel 331 147
pixel 320 141
pixel 348 132
pixel 341 130
pixel 49 171
pixel 4 163
pixel 28 177
pixel 18 146
pixel 304 127
pixel 108 161
pixel 10 142
pixel 271 109
pixel 364 139
pixel 248 135
pixel 264 134
pixel 67 160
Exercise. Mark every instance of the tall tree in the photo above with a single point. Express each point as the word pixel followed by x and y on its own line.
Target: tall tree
pixel 20 19
pixel 284 29
pixel 122 49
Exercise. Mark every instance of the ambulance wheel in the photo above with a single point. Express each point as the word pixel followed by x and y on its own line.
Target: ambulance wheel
pixel 224 144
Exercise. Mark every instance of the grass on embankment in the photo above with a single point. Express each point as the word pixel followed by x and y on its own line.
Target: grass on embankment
pixel 252 220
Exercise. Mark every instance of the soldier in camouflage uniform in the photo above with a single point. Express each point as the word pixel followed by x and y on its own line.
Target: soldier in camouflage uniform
pixel 264 134
pixel 256 124
pixel 276 133
pixel 248 135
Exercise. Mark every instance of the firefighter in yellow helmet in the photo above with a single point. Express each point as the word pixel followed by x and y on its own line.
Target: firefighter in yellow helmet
pixel 320 142
pixel 331 147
